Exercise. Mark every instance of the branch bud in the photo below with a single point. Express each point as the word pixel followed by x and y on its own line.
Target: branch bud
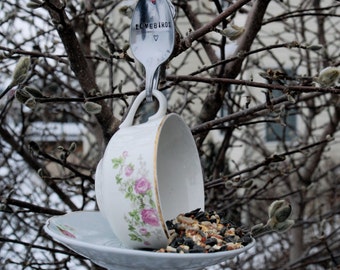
pixel 315 47
pixel 35 4
pixel 283 213
pixel 34 147
pixel 21 70
pixel 328 76
pixel 72 147
pixel 103 51
pixel 232 32
pixel 126 11
pixel 92 107
pixel 22 95
pixel 283 226
pixel 35 92
pixel 274 207
pixel 30 103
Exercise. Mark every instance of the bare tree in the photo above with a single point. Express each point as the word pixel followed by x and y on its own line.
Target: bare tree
pixel 257 81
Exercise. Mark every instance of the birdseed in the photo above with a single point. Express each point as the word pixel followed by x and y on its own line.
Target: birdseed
pixel 204 232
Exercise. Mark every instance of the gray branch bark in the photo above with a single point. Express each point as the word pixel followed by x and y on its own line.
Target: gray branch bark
pixel 214 101
pixel 79 65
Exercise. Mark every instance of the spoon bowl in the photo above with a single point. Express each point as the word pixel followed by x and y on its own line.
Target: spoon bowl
pixel 152 37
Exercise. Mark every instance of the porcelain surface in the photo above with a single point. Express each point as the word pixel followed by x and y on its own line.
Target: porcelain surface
pixel 149 173
pixel 90 235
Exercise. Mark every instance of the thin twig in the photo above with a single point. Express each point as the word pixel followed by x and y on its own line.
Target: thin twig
pixel 32 207
pixel 265 162
pixel 54 250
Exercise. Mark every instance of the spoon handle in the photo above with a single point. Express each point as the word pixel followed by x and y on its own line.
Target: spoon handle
pixel 150 83
pixel 156 78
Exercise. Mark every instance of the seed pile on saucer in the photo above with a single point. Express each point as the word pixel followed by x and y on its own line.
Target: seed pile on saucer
pixel 204 232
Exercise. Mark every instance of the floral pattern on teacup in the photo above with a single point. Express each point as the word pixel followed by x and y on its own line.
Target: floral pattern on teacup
pixel 66 230
pixel 134 181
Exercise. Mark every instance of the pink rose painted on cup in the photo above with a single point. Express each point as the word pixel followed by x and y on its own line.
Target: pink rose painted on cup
pixel 66 232
pixel 128 170
pixel 142 185
pixel 143 231
pixel 125 154
pixel 133 180
pixel 149 216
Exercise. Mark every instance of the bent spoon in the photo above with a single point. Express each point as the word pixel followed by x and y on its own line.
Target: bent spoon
pixel 152 38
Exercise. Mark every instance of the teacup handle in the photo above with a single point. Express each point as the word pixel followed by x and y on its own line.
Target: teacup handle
pixel 163 104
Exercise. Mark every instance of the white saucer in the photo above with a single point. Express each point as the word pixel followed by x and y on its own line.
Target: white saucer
pixel 89 234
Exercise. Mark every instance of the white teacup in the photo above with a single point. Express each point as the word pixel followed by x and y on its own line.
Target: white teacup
pixel 149 173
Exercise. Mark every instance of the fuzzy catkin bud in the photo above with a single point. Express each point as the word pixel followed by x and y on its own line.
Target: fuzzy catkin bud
pixel 283 213
pixel 248 184
pixel 315 47
pixel 284 226
pixel 274 207
pixel 232 32
pixel 228 184
pixel 126 46
pixel 328 76
pixel 126 11
pixel 21 70
pixel 257 228
pixel 34 147
pixel 92 107
pixel 63 156
pixel 72 147
pixel 41 172
pixel 22 95
pixel 34 4
pixel 31 103
pixel 35 92
pixel 103 51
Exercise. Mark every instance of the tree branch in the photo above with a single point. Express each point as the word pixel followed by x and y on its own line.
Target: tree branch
pixel 79 65
pixel 227 81
pixel 312 162
pixel 32 207
pixel 200 32
pixel 35 165
pixel 214 101
pixel 267 161
pixel 54 250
